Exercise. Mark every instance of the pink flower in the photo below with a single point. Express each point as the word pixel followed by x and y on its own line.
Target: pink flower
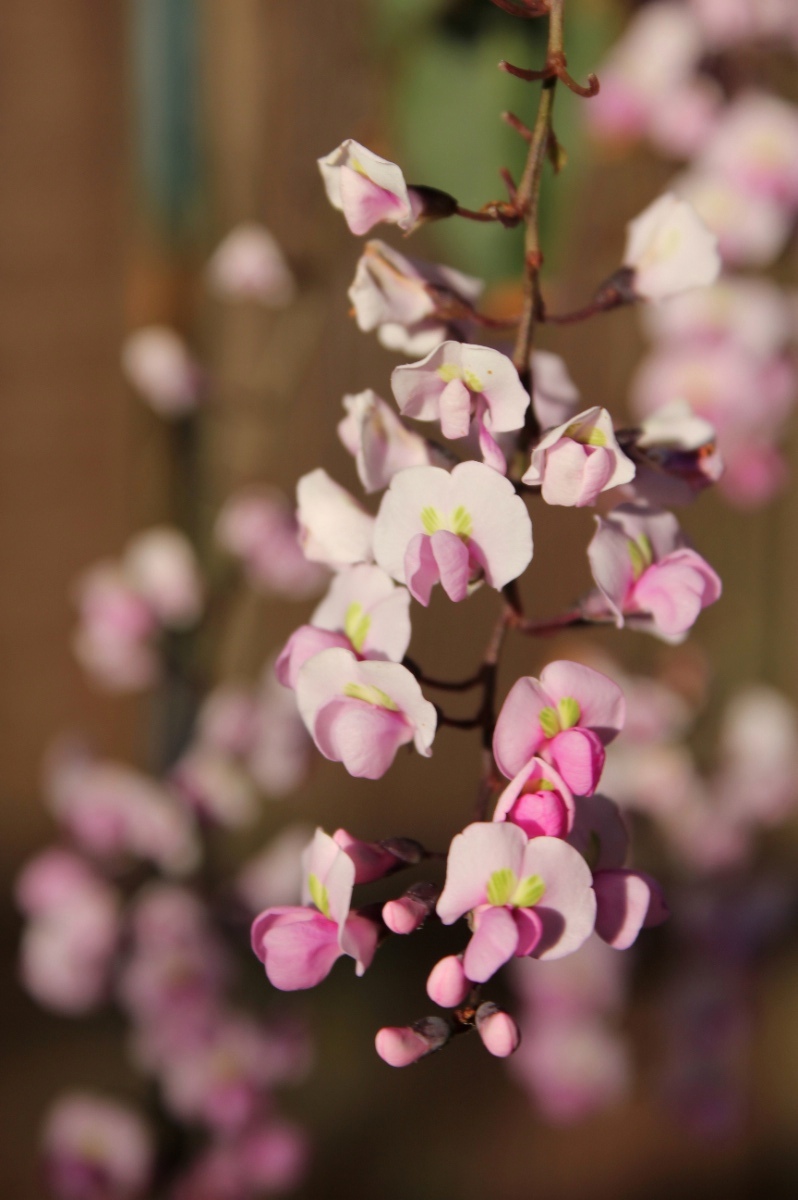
pixel 279 756
pixel 298 946
pixel 456 383
pixel 162 567
pixel 752 230
pixel 378 441
pixel 753 312
pixel 248 264
pixel 214 785
pixel 567 718
pixel 407 301
pixel 525 897
pixel 456 528
pixel 157 363
pixel 670 250
pixel 647 575
pixel 538 800
pixel 96 1149
pixel 576 461
pixel 363 611
pixel 257 526
pixel 360 713
pixel 367 189
pixel 112 641
pixel 333 528
pixel 755 146
pixel 677 457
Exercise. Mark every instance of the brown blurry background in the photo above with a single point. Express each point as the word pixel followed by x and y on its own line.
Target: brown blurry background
pixel 99 234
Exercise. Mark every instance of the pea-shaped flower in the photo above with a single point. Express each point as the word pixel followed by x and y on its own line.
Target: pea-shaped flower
pixel 525 897
pixel 670 250
pixel 577 460
pixel 368 189
pixel 456 528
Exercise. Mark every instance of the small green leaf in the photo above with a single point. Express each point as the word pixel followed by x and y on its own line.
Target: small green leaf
pixel 569 711
pixel 529 892
pixel 318 894
pixel 549 721
pixel 501 886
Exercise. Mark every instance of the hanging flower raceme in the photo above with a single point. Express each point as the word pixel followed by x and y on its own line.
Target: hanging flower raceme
pixel 576 461
pixel 457 384
pixel 566 718
pixel 647 575
pixel 457 528
pixel 299 945
pixel 368 189
pixel 524 897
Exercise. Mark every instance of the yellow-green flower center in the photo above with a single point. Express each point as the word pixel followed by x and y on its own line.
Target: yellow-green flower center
pixel 505 890
pixel 356 625
pixel 449 371
pixel 564 716
pixel 641 552
pixel 586 435
pixel 371 695
pixel 458 522
pixel 319 895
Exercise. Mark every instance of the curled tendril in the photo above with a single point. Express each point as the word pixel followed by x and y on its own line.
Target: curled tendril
pixel 556 67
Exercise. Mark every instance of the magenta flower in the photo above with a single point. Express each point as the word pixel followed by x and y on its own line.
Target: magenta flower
pixel 96 1149
pixel 368 189
pixel 456 528
pixel 525 897
pixel 566 717
pixel 647 575
pixel 576 461
pixel 298 946
pixel 364 611
pixel 360 713
pixel 457 384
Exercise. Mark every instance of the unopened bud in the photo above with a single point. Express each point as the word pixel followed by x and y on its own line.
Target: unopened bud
pixel 447 984
pixel 499 1032
pixel 399 1046
pixel 372 860
pixel 410 911
pixel 430 204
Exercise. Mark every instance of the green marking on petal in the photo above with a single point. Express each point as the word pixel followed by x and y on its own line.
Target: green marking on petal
pixel 569 711
pixel 448 371
pixel 461 522
pixel 431 519
pixel 549 721
pixel 529 892
pixel 501 886
pixel 319 895
pixel 356 625
pixel 641 552
pixel 371 695
pixel 472 381
pixel 586 435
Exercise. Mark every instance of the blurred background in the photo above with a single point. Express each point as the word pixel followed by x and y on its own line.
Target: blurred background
pixel 133 137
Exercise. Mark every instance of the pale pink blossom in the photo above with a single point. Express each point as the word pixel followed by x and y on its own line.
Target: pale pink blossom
pixel 538 800
pixel 227 720
pixel 334 528
pixel 380 443
pixel 728 22
pixel 375 860
pixel 213 784
pixel 458 383
pixel 298 946
pixel 670 250
pixel 400 1046
pixel 272 1157
pixel 258 527
pixel 677 457
pixel 96 1149
pixel 555 396
pixel 758 776
pixel 368 189
pixel 567 718
pixel 360 713
pixel 752 230
pixel 681 126
pixel 157 363
pixel 248 264
pixel 113 639
pixel 457 528
pixel 162 567
pixel 574 462
pixel 525 897
pixel 753 312
pixel 413 305
pixel 755 146
pixel 279 756
pixel 647 574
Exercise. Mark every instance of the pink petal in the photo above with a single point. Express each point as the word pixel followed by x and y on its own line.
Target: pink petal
pixel 455 409
pixel 601 703
pixel 362 736
pixel 302 645
pixel 579 757
pixel 451 558
pixel 359 939
pixel 421 568
pixel 365 204
pixel 492 944
pixel 518 735
pixel 530 930
pixel 568 906
pixel 623 899
pixel 481 849
pixel 492 454
pixel 296 945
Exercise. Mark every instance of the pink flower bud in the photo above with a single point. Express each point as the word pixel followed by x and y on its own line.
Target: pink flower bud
pixel 499 1032
pixel 399 1046
pixel 409 912
pixel 447 984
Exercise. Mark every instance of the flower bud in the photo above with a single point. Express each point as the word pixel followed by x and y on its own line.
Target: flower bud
pixel 399 1046
pixel 499 1032
pixel 447 984
pixel 410 911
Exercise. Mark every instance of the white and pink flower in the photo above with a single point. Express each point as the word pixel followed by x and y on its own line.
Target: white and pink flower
pixel 368 189
pixel 578 460
pixel 379 443
pixel 670 250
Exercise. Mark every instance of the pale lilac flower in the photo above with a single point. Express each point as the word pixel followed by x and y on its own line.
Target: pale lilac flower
pixel 555 396
pixel 379 442
pixel 567 718
pixel 457 383
pixel 228 719
pixel 670 250
pixel 409 302
pixel 646 573
pixel 725 23
pixel 364 611
pixel 457 528
pixel 258 527
pixel 248 264
pixel 758 776
pixel 752 230
pixel 755 146
pixel 157 363
pixel 525 897
pixel 272 1157
pixel 96 1149
pixel 334 528
pixel 574 462
pixel 368 189
pixel 360 713
pixel 162 567
pixel 298 946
